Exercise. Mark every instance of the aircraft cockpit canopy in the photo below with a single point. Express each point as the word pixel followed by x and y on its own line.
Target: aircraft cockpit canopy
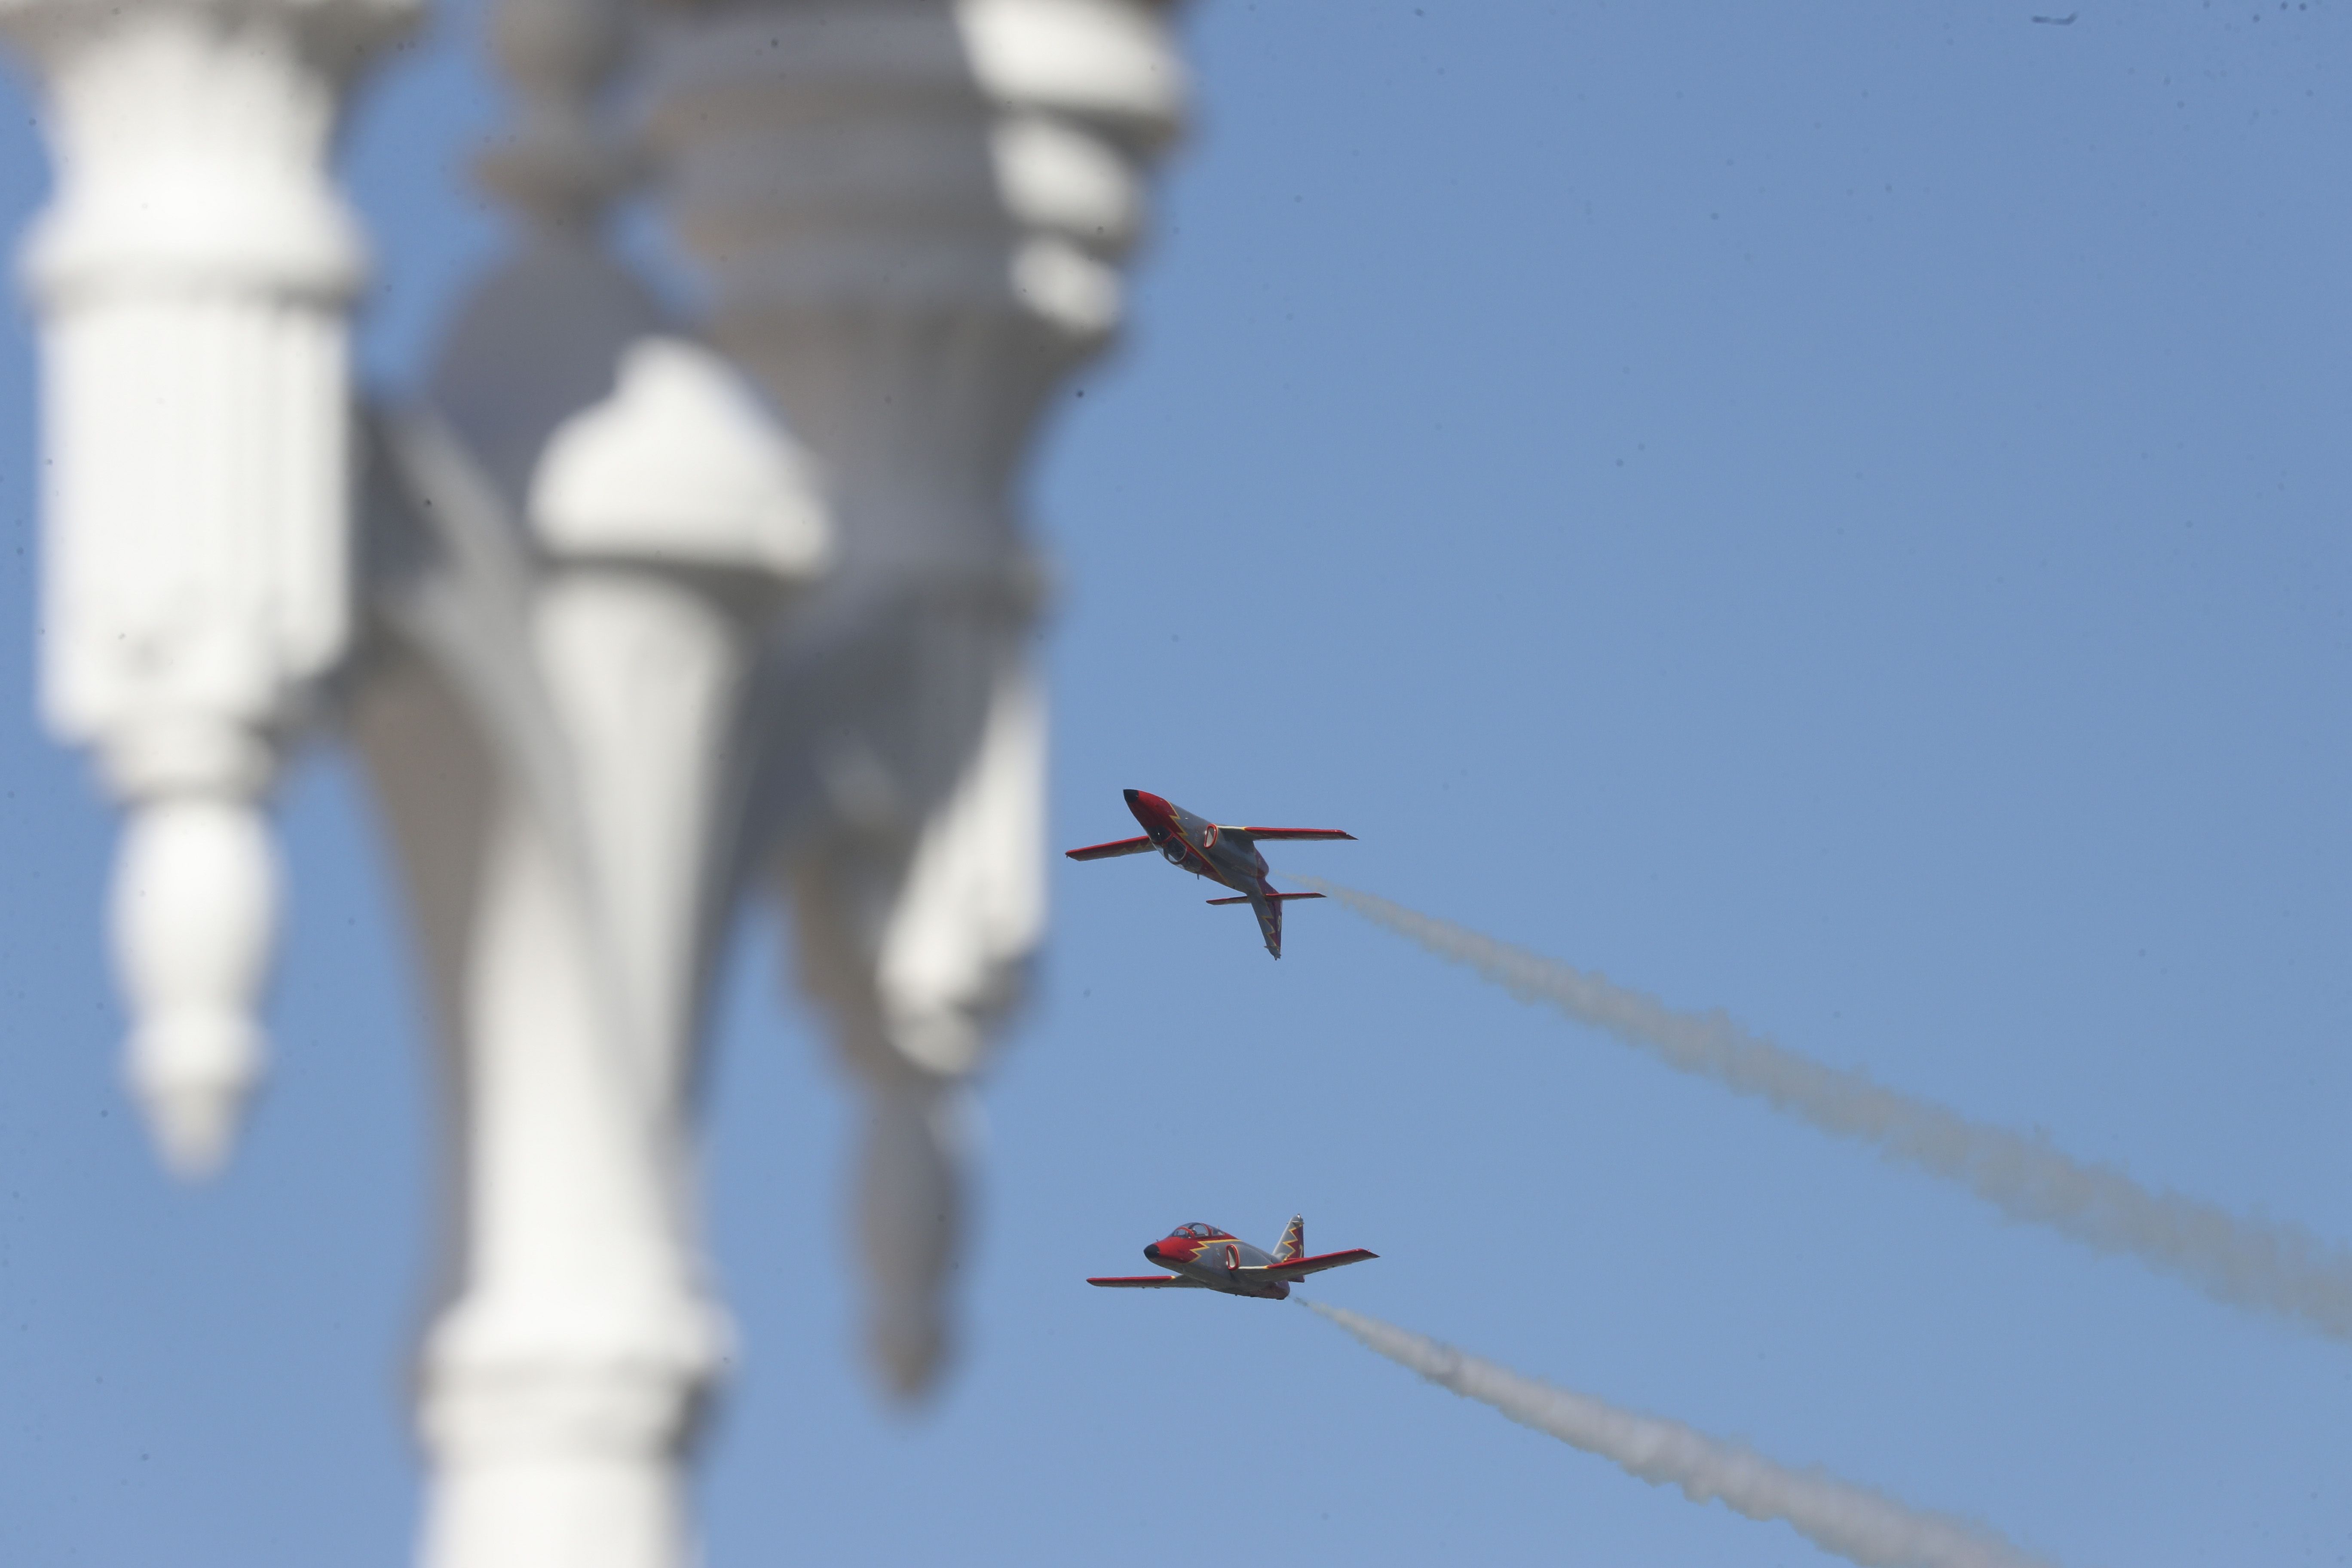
pixel 1198 1232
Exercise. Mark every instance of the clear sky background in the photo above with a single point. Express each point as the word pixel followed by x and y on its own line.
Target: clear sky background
pixel 1836 512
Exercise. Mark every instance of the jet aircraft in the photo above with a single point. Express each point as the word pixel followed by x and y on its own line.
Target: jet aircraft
pixel 1227 856
pixel 1204 1257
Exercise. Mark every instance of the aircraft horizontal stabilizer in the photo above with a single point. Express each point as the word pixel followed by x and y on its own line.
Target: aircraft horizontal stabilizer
pixel 1263 834
pixel 1150 1282
pixel 1105 851
pixel 1277 898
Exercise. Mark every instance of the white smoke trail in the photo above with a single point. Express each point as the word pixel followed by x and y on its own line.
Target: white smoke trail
pixel 1855 1522
pixel 2246 1263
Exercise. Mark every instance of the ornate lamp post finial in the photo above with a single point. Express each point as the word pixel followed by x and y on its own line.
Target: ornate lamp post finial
pixel 192 277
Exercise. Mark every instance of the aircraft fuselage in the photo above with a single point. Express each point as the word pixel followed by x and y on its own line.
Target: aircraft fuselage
pixel 1196 845
pixel 1212 1262
pixel 1203 1257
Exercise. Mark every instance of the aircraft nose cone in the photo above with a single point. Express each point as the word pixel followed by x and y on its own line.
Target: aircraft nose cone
pixel 1152 1251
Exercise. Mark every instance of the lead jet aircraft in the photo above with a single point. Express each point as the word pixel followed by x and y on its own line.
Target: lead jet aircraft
pixel 1227 856
pixel 1204 1257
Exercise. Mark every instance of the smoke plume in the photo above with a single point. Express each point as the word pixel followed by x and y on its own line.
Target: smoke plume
pixel 1854 1522
pixel 2276 1269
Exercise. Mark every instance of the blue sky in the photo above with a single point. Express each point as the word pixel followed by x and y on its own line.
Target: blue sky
pixel 1822 512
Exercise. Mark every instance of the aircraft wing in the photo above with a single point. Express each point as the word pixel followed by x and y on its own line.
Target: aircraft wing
pixel 1268 835
pixel 1105 851
pixel 1150 1282
pixel 1300 1268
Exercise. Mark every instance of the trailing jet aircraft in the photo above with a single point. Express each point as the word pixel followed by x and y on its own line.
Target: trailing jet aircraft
pixel 1227 856
pixel 1206 1259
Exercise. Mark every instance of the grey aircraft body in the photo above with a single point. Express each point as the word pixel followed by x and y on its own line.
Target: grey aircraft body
pixel 1203 1257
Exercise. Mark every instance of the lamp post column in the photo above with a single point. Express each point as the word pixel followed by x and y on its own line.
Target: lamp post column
pixel 589 520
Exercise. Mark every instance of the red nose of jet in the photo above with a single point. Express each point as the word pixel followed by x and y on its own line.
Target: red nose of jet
pixel 1150 809
pixel 1152 1251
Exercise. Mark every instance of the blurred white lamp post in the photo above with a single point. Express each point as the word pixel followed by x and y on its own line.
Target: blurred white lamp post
pixel 627 649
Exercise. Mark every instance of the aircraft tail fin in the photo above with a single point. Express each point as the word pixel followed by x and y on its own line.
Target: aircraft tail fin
pixel 1294 1241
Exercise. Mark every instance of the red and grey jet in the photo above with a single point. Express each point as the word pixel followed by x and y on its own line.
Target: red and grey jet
pixel 1227 856
pixel 1203 1257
